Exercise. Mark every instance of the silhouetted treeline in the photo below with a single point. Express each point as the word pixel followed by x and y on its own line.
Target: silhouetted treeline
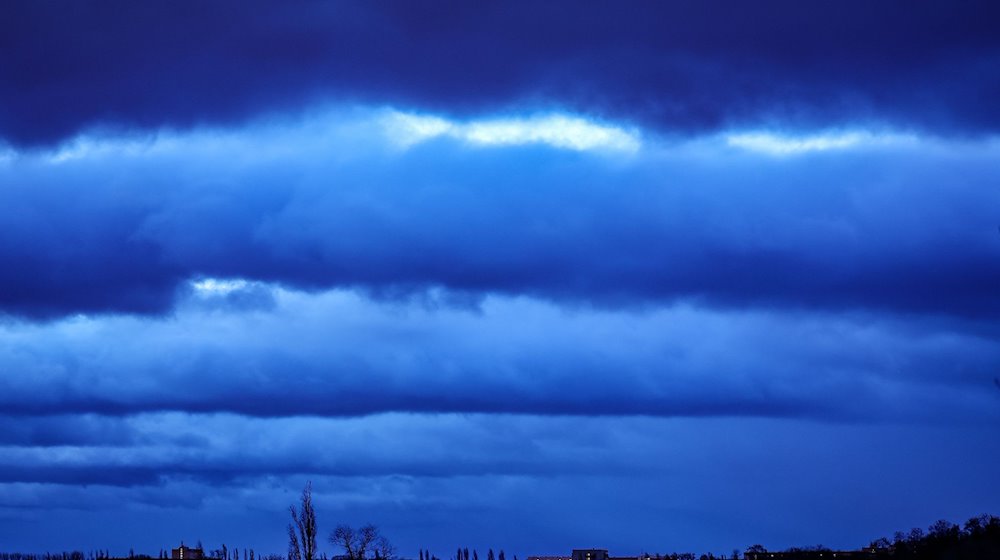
pixel 74 555
pixel 464 554
pixel 978 539
pixel 224 553
pixel 236 553
pixel 690 556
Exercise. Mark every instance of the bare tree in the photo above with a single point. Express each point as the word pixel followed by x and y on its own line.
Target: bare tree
pixel 367 536
pixel 358 543
pixel 302 530
pixel 384 549
pixel 344 536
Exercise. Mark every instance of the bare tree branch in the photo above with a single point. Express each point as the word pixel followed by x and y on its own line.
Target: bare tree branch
pixel 384 549
pixel 294 552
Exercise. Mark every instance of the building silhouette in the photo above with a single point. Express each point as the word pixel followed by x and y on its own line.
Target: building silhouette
pixel 186 553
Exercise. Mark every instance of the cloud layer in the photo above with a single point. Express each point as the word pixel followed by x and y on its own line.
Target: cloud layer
pixel 339 355
pixel 671 66
pixel 901 225
pixel 520 276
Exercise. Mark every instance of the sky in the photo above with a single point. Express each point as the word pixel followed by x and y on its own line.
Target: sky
pixel 532 276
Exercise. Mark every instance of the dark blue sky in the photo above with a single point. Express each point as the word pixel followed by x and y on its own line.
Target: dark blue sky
pixel 660 277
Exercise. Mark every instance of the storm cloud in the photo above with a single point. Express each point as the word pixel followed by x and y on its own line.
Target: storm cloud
pixel 676 67
pixel 473 269
pixel 340 355
pixel 904 225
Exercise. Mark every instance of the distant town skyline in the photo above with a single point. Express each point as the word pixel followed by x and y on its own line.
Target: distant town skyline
pixel 526 276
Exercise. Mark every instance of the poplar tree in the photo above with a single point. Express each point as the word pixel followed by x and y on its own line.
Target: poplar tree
pixel 302 530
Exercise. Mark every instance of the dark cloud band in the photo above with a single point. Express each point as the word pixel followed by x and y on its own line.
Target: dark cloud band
pixel 676 67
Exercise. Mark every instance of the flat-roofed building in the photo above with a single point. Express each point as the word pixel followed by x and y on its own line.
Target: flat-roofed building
pixel 186 553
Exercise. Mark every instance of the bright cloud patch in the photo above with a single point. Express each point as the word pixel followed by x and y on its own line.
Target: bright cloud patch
pixel 777 144
pixel 361 130
pixel 358 130
pixel 558 131
pixel 212 286
pixel 86 147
